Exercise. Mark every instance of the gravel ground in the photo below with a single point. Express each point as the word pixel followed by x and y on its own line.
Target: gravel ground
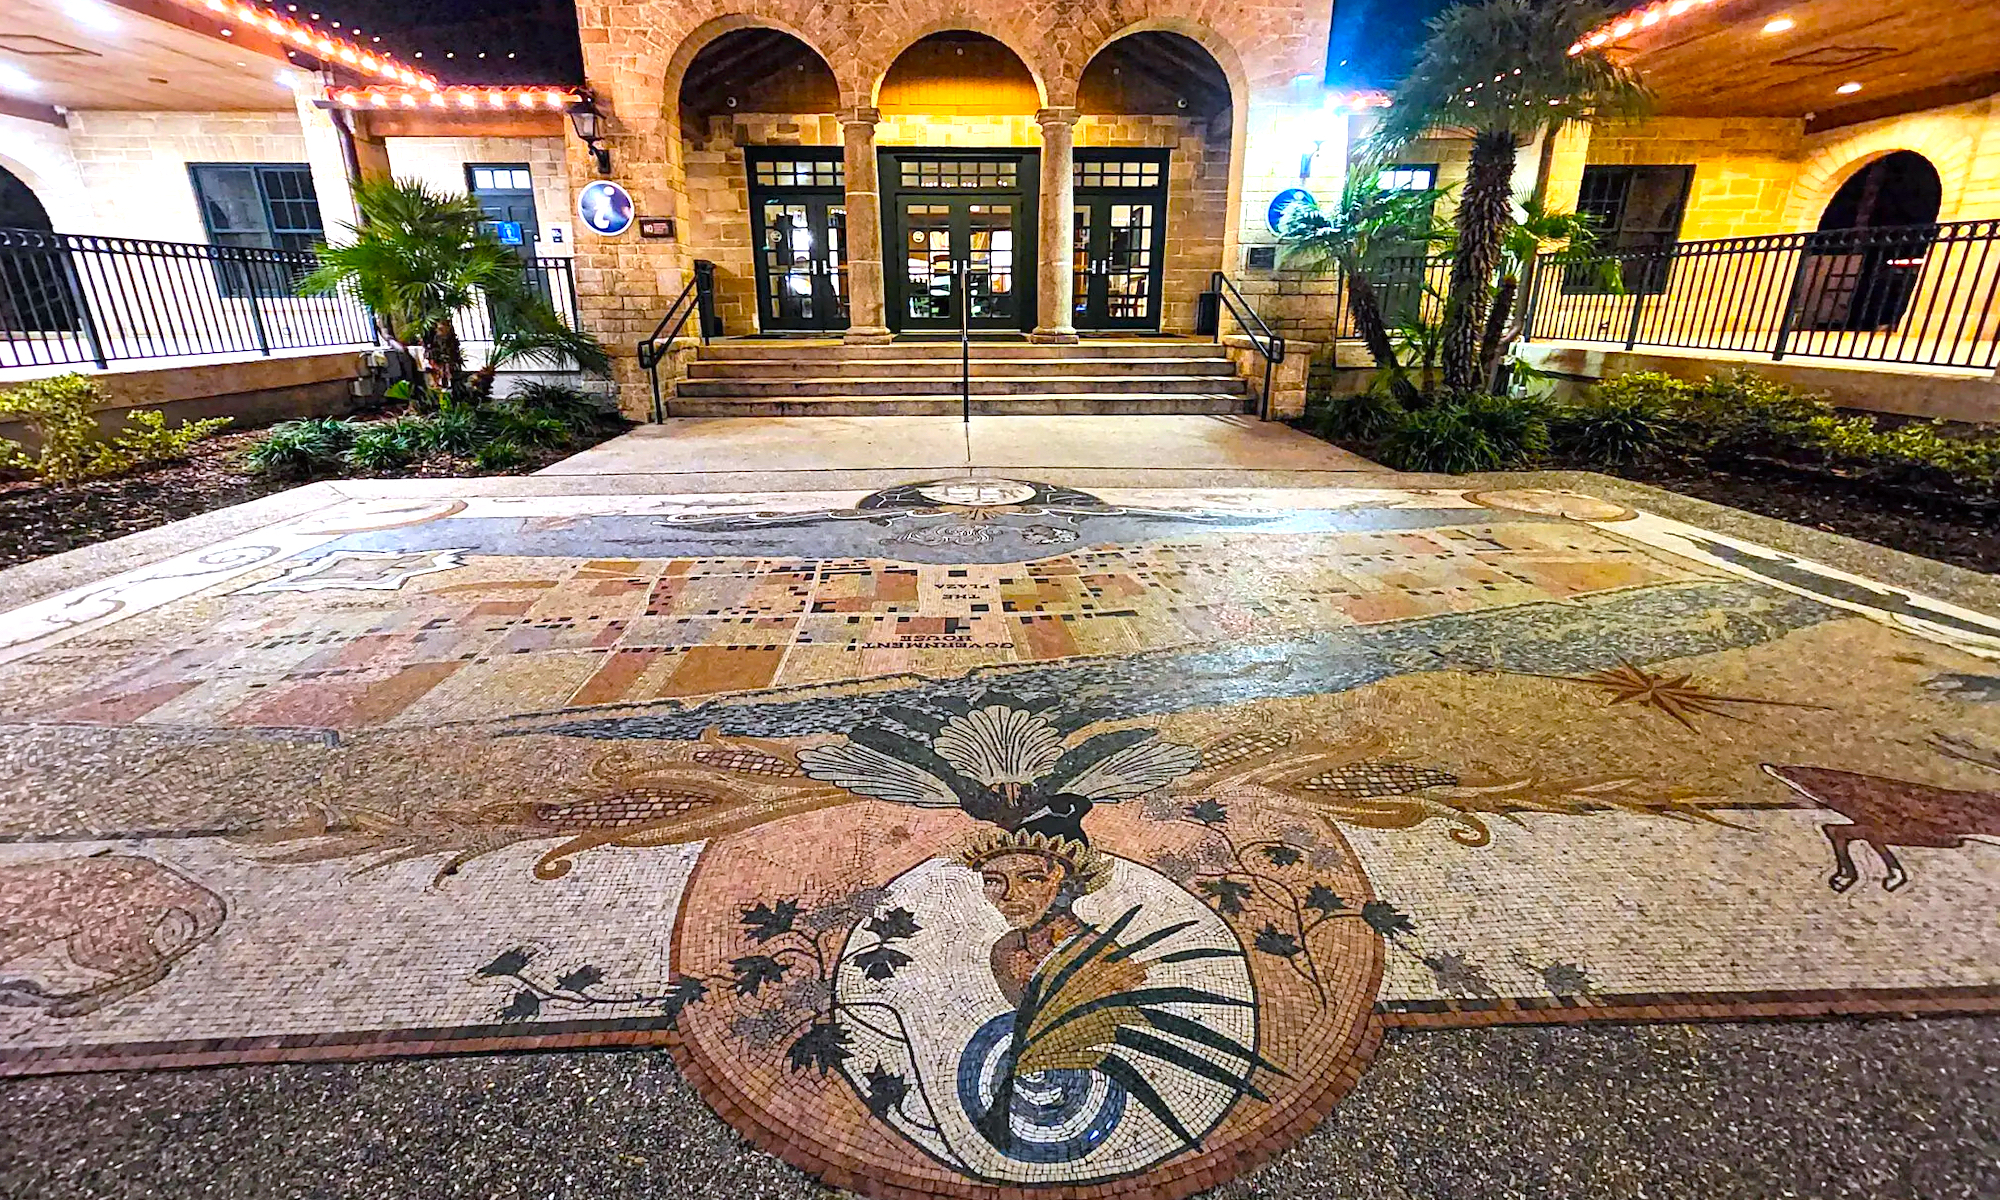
pixel 39 519
pixel 1882 1110
pixel 1962 536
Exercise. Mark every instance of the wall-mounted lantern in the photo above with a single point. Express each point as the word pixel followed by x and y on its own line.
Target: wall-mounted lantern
pixel 584 118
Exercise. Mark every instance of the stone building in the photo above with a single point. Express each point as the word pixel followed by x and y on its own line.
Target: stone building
pixel 858 171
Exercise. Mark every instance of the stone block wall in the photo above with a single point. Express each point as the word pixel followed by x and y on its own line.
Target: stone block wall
pixel 39 155
pixel 441 162
pixel 134 164
pixel 717 226
pixel 1961 140
pixel 636 53
pixel 1744 168
pixel 1769 175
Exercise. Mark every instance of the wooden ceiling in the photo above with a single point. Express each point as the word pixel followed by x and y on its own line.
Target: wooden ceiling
pixel 1717 61
pixel 107 56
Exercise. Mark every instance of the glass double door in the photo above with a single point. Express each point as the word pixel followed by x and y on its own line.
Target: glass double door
pixel 943 236
pixel 1117 262
pixel 802 262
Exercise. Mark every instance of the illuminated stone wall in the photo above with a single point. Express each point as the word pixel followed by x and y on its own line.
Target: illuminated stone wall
pixel 636 53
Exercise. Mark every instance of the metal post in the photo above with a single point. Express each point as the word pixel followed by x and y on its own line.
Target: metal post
pixel 965 338
pixel 256 313
pixel 1638 314
pixel 1532 283
pixel 79 284
pixel 1799 272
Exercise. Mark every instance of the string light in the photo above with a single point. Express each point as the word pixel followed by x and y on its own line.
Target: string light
pixel 1635 20
pixel 530 97
pixel 323 45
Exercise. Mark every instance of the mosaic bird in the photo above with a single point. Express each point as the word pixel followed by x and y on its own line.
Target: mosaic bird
pixel 1000 762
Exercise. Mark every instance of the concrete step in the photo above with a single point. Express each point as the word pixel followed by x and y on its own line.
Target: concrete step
pixel 810 351
pixel 943 368
pixel 940 406
pixel 981 385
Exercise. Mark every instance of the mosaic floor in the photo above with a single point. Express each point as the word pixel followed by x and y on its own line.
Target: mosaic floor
pixel 972 838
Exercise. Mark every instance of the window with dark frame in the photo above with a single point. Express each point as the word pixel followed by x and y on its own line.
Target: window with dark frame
pixel 1636 210
pixel 1398 264
pixel 506 193
pixel 257 206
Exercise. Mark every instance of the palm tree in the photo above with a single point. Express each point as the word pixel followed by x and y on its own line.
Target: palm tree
pixel 1540 233
pixel 1366 217
pixel 417 259
pixel 1502 72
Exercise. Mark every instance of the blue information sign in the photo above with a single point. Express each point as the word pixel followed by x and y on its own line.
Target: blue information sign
pixel 605 207
pixel 1282 203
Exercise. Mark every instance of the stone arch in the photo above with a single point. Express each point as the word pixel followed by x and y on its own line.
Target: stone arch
pixel 62 199
pixel 1218 47
pixel 877 70
pixel 698 39
pixel 11 173
pixel 1226 56
pixel 1833 165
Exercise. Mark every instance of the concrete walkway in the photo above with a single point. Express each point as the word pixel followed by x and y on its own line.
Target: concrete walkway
pixel 721 451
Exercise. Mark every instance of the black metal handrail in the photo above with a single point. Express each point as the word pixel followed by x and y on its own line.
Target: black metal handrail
pixel 1272 347
pixel 697 298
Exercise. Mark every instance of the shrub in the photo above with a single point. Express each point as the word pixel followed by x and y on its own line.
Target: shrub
pixel 302 449
pixel 149 440
pixel 1363 418
pixel 1461 434
pixel 73 447
pixel 531 426
pixel 499 454
pixel 573 406
pixel 1518 426
pixel 456 431
pixel 386 445
pixel 1611 427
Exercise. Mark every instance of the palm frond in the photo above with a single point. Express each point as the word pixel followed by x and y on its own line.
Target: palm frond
pixel 1504 66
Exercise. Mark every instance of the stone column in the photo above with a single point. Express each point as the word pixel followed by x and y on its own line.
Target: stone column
pixel 1055 271
pixel 865 303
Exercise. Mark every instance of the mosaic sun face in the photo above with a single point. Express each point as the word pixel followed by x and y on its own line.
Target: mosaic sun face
pixel 983 837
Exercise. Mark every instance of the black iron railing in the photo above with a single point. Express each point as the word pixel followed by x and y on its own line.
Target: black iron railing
pixel 554 278
pixel 1923 295
pixel 1263 339
pixel 86 300
pixel 697 300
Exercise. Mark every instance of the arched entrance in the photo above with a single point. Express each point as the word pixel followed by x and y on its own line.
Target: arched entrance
pixel 1868 254
pixel 960 184
pixel 1153 136
pixel 758 140
pixel 20 208
pixel 38 285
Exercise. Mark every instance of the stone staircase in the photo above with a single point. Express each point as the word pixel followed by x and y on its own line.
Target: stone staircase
pixel 921 378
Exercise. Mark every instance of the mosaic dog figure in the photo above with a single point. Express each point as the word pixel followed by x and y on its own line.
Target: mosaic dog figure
pixel 1889 812
pixel 77 934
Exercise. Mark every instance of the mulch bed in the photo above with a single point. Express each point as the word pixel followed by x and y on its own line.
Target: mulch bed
pixel 1961 531
pixel 40 519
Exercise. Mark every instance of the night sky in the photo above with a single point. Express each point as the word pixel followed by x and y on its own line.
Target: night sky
pixel 1375 41
pixel 446 37
pixel 1372 45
